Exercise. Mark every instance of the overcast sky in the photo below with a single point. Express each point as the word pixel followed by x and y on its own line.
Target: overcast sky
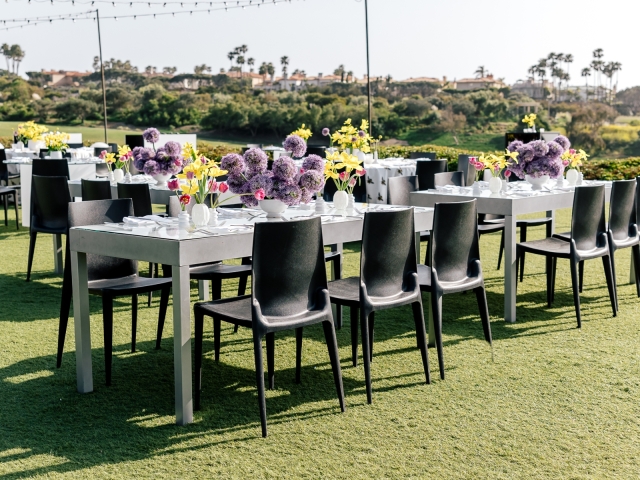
pixel 408 38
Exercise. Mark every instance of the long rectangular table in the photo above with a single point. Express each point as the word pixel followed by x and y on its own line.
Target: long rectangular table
pixel 181 249
pixel 510 206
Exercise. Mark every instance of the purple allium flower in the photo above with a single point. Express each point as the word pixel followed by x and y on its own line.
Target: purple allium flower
pixel 261 180
pixel 289 194
pixel 312 180
pixel 525 153
pixel 232 162
pixel 562 141
pixel 284 167
pixel 326 131
pixel 256 160
pixel 151 167
pixel 515 145
pixel 555 150
pixel 540 148
pixel 305 195
pixel 236 183
pixel 544 165
pixel 172 148
pixel 276 185
pixel 313 162
pixel 151 135
pixel 295 145
pixel 361 133
pixel 249 201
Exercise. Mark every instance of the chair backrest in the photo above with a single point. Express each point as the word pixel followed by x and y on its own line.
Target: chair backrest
pixel 622 208
pixel 399 188
pixel 288 266
pixel 43 152
pixel 426 169
pixel 51 195
pixel 316 150
pixel 4 171
pixel 587 218
pixel 75 145
pixel 469 171
pixel 95 190
pixel 139 194
pixel 50 168
pixel 134 141
pixel 454 240
pixel 388 251
pixel 3 156
pixel 449 178
pixel 416 155
pixel 97 213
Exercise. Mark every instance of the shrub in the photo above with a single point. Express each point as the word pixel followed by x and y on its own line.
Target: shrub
pixel 625 169
pixel 451 154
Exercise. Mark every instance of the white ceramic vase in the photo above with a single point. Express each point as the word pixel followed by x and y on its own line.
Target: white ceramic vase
pixel 111 177
pixel 56 154
pixel 505 186
pixel 183 221
pixel 320 205
pixel 213 217
pixel 351 202
pixel 572 176
pixel 340 200
pixel 118 175
pixel 537 182
pixel 200 214
pixel 272 207
pixel 495 185
pixel 127 177
pixel 161 180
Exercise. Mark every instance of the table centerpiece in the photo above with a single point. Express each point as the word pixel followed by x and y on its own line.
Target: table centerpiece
pixel 572 161
pixel 30 134
pixel 498 165
pixel 56 143
pixel 161 163
pixel 538 161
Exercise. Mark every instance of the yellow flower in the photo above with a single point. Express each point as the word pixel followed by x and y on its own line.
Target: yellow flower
pixel 303 132
pixel 189 152
pixel 56 141
pixel 123 150
pixel 191 187
pixel 110 158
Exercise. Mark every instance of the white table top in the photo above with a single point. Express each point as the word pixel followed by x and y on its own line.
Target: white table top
pixel 79 161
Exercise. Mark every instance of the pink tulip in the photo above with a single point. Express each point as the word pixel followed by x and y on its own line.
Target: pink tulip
pixel 103 154
pixel 361 172
pixel 223 187
pixel 177 162
pixel 173 184
pixel 343 176
pixel 259 194
pixel 191 175
pixel 507 173
pixel 352 182
pixel 213 186
pixel 565 162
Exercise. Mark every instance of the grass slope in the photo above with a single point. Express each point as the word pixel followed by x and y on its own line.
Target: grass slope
pixel 556 402
pixel 477 141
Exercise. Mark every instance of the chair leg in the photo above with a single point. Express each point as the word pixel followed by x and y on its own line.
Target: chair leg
pixel 354 335
pixel 334 356
pixel 611 283
pixel 337 276
pixel 581 273
pixel 636 263
pixel 164 303
pixel 107 322
pixel 549 268
pixel 612 258
pixel 5 199
pixel 32 246
pixel 216 338
pixel 523 238
pixel 257 350
pixel 15 206
pixel 65 305
pixel 421 336
pixel 553 280
pixel 298 353
pixel 371 324
pixel 199 329
pixel 134 321
pixel 366 355
pixel 270 359
pixel 151 275
pixel 501 250
pixel 436 305
pixel 481 296
pixel 242 284
pixel 576 289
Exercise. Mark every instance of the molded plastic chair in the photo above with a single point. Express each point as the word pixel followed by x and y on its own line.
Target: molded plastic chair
pixel 469 171
pixel 4 193
pixel 5 176
pixel 289 291
pixel 398 193
pixel 388 279
pixel 453 264
pixel 109 277
pixel 416 155
pixel 426 169
pixel 588 241
pixel 449 178
pixel 75 145
pixel 50 199
pixel 50 168
pixel 95 190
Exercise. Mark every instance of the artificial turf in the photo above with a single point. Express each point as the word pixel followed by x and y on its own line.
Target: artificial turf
pixel 557 402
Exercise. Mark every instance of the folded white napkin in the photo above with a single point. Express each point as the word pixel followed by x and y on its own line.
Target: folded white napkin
pixel 232 212
pixel 148 221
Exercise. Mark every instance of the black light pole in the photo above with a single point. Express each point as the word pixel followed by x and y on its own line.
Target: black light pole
pixel 104 91
pixel 366 22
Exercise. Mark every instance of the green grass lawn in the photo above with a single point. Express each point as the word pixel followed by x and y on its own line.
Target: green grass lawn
pixel 478 141
pixel 557 402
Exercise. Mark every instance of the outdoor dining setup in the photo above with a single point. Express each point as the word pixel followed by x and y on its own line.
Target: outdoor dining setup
pixel 282 215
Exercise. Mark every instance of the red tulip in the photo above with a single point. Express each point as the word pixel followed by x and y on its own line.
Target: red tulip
pixel 173 184
pixel 185 199
pixel 223 187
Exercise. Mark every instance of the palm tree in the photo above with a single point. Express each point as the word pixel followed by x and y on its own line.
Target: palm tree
pixel 586 73
pixel 231 56
pixel 271 70
pixel 17 54
pixel 240 61
pixel 243 49
pixel 284 61
pixel 5 49
pixel 340 71
pixel 349 75
pixel 201 69
pixel 169 70
pixel 263 70
pixel 480 72
pixel 251 62
pixel 597 66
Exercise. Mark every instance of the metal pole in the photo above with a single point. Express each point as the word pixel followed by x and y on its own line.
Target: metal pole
pixel 104 91
pixel 366 22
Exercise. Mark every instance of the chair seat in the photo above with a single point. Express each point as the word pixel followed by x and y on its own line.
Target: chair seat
pixel 468 283
pixel 552 246
pixel 331 255
pixel 566 236
pixel 218 270
pixel 491 227
pixel 625 242
pixel 128 285
pixel 346 291
pixel 534 222
pixel 7 190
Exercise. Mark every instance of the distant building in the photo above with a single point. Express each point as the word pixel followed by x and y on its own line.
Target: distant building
pixel 442 82
pixel 532 89
pixel 59 78
pixel 477 83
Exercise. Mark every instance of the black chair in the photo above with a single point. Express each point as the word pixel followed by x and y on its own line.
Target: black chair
pixel 50 168
pixel 134 141
pixel 289 291
pixel 588 241
pixel 388 279
pixel 109 278
pixel 416 155
pixel 4 193
pixel 5 176
pixel 449 178
pixel 316 150
pixel 95 190
pixel 469 171
pixel 75 145
pixel 426 169
pixel 98 150
pixel 113 147
pixel 453 264
pixel 49 203
pixel 398 193
pixel 43 152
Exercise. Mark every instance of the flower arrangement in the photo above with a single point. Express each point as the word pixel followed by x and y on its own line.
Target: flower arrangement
pixel 350 138
pixel 189 154
pixel 199 178
pixel 184 198
pixel 165 160
pixel 539 158
pixel 345 170
pixel 30 131
pixel 572 159
pixel 249 177
pixel 121 161
pixel 303 132
pixel 56 142
pixel 530 120
pixel 497 164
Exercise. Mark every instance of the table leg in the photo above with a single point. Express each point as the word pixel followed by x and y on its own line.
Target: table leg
pixel 182 344
pixel 58 265
pixel 81 321
pixel 510 268
pixel 417 247
pixel 552 214
pixel 204 287
pixel 338 247
pixel 632 272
